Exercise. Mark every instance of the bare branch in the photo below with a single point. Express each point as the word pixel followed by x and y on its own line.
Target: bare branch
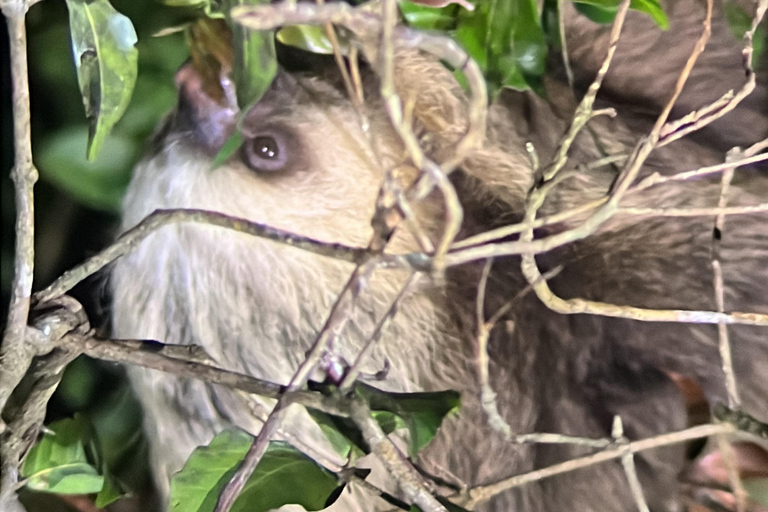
pixel 484 493
pixel 628 463
pixel 131 238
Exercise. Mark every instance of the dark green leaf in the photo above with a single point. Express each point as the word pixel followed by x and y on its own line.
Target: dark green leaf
pixel 739 22
pixel 342 433
pixel 421 413
pixel 255 63
pixel 602 15
pixel 507 40
pixel 429 18
pixel 306 37
pixel 58 462
pixel 109 493
pixel 231 145
pixel 284 476
pixel 103 43
pixel 604 9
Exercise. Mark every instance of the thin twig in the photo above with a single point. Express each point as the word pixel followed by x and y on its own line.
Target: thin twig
pixel 133 237
pixel 410 482
pixel 356 367
pixel 337 320
pixel 628 464
pixel 724 344
pixel 486 492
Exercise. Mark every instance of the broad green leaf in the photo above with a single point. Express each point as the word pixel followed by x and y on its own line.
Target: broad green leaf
pixel 62 445
pixel 284 476
pixel 103 44
pixel 604 8
pixel 421 413
pixel 342 433
pixel 99 184
pixel 58 462
pixel 78 478
pixel 109 493
pixel 255 63
pixel 306 37
pixel 429 18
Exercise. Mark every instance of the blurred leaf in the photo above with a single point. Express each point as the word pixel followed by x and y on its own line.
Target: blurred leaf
pixel 99 184
pixel 107 63
pixel 429 18
pixel 78 478
pixel 58 463
pixel 255 60
pixel 63 445
pixel 739 22
pixel 109 493
pixel 757 489
pixel 306 37
pixel 284 476
pixel 601 15
pixel 211 8
pixel 421 413
pixel 604 11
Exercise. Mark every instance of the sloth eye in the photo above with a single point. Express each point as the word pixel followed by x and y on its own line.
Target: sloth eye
pixel 266 153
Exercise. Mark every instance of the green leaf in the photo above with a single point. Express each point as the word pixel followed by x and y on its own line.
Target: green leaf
pixel 255 63
pixel 228 148
pixel 62 445
pixel 284 476
pixel 601 15
pixel 604 11
pixel 342 433
pixel 79 478
pixel 58 462
pixel 429 18
pixel 420 413
pixel 107 62
pixel 110 492
pixel 757 490
pixel 306 37
pixel 99 184
pixel 739 22
pixel 507 40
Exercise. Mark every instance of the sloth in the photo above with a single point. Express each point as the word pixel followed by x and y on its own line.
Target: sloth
pixel 307 167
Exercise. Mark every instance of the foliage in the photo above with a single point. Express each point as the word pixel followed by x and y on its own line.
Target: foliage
pixel 284 476
pixel 67 461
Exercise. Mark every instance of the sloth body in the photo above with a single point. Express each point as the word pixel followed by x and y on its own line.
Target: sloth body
pixel 256 306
